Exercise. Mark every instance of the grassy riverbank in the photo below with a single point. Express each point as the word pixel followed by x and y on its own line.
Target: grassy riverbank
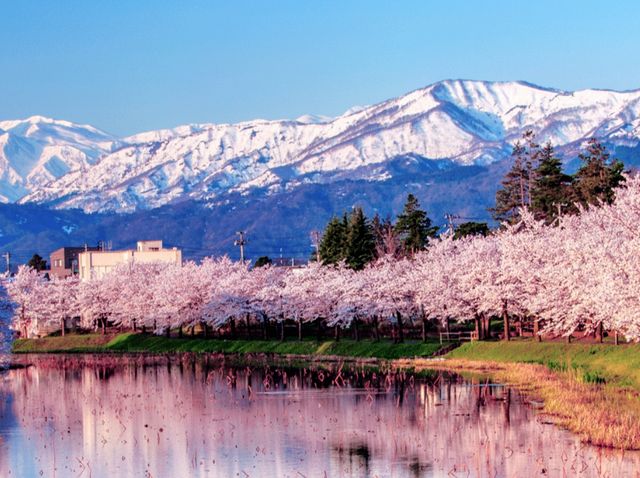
pixel 604 415
pixel 591 389
pixel 128 342
pixel 590 363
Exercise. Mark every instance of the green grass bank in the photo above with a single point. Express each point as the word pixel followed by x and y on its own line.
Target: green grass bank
pixel 130 342
pixel 617 365
pixel 591 363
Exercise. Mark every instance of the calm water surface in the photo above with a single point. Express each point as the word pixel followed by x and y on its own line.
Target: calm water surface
pixel 97 417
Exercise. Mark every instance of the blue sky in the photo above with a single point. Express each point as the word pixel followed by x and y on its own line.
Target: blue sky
pixel 132 66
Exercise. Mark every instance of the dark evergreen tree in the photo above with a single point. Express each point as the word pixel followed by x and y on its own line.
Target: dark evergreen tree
pixel 263 261
pixel 332 246
pixel 598 176
pixel 360 245
pixel 413 226
pixel 38 263
pixel 531 161
pixel 518 182
pixel 551 191
pixel 471 229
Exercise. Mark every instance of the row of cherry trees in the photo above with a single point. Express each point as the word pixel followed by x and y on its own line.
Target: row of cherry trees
pixel 582 274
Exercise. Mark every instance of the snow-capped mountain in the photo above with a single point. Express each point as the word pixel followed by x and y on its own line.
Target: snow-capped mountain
pixel 462 122
pixel 38 150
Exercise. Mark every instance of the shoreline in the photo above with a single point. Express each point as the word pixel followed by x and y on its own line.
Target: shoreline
pixel 142 343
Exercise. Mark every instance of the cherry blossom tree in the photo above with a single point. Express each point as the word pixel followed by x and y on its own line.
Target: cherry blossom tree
pixel 7 310
pixel 59 300
pixel 25 290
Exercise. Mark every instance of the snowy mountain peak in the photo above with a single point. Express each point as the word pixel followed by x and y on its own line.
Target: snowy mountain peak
pixel 37 150
pixel 313 119
pixel 461 121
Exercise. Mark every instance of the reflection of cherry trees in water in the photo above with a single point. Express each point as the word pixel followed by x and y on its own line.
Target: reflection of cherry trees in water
pixel 102 417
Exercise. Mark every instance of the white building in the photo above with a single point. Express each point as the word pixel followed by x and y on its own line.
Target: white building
pixel 98 263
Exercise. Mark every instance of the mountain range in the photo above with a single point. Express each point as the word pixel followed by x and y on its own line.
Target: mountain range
pixel 195 185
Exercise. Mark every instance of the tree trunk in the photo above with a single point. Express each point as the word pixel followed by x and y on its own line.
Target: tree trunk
pixel 616 338
pixel 248 326
pixel 486 324
pixel 205 329
pixel 22 318
pixel 180 331
pixel 336 335
pixel 62 327
pixel 536 330
pixel 568 339
pixel 400 330
pixel 300 330
pixel 168 331
pixel 356 331
pixel 376 329
pixel 424 325
pixel 144 329
pixel 319 334
pixel 447 327
pixel 104 326
pixel 282 330
pixel 505 319
pixel 600 332
pixel 265 325
pixel 135 326
pixel 232 326
pixel 193 330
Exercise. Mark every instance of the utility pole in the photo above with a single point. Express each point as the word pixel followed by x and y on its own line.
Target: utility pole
pixel 315 243
pixel 450 218
pixel 241 241
pixel 7 256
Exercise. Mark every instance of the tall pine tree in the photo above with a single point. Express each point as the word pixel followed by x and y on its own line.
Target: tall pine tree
pixel 414 226
pixel 598 176
pixel 518 182
pixel 551 191
pixel 359 246
pixel 332 246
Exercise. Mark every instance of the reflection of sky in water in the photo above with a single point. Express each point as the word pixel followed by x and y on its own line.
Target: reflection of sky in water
pixel 115 417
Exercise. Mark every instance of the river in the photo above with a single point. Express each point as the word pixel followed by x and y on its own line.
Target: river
pixel 158 417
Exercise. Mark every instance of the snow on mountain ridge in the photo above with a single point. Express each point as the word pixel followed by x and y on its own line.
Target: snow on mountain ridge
pixel 460 120
pixel 38 150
